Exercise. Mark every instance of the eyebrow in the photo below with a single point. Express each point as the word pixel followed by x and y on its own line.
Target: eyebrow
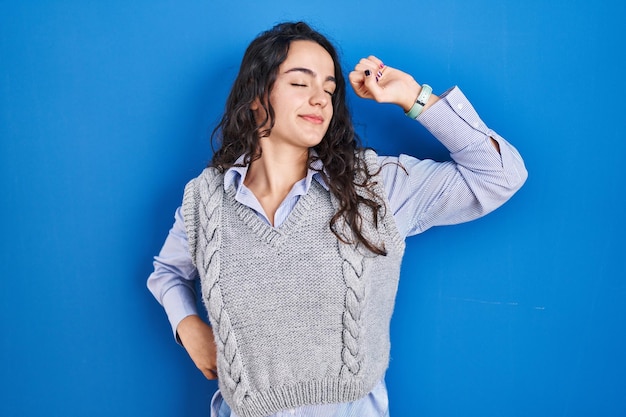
pixel 310 72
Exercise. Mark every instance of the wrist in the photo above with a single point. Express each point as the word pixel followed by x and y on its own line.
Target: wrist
pixel 422 100
pixel 408 99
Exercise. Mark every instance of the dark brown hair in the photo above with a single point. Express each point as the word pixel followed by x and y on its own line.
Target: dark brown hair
pixel 340 151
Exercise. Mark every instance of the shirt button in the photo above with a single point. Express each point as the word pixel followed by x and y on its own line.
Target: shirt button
pixel 459 106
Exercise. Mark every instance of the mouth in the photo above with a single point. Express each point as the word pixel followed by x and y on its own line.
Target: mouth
pixel 313 118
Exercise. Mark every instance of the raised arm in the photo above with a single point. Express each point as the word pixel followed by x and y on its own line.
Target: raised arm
pixel 371 79
pixel 485 170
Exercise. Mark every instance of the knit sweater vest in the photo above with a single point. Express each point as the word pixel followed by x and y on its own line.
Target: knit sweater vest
pixel 299 317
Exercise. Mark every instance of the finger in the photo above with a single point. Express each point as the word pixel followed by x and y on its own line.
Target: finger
pixel 371 83
pixel 372 61
pixel 367 72
pixel 366 64
pixel 378 62
pixel 357 81
pixel 363 81
pixel 370 66
pixel 356 77
pixel 373 64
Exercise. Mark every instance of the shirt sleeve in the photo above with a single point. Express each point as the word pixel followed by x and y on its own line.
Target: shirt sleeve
pixel 173 282
pixel 423 193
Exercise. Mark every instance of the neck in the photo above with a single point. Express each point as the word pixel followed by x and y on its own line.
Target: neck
pixel 272 176
pixel 275 171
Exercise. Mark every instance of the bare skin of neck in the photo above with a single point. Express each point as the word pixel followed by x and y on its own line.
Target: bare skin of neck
pixel 271 177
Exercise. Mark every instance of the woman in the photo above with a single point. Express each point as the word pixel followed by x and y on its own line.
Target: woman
pixel 297 233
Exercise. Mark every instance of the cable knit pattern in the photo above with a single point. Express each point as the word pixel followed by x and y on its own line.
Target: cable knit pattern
pixel 354 265
pixel 352 269
pixel 292 329
pixel 202 209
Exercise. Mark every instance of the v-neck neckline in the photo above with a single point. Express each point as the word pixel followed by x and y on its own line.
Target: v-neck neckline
pixel 271 234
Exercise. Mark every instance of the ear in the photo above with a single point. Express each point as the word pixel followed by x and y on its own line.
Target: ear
pixel 254 106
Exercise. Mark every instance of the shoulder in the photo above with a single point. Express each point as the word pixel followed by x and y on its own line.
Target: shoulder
pixel 209 174
pixel 368 159
pixel 210 178
pixel 202 195
pixel 369 175
pixel 370 156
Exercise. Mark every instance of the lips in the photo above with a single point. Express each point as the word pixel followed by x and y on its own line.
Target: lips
pixel 313 118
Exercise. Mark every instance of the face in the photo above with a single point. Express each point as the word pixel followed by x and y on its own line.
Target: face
pixel 302 97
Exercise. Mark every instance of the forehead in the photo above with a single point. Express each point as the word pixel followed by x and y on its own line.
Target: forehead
pixel 310 55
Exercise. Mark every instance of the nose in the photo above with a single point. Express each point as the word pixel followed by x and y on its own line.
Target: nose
pixel 319 97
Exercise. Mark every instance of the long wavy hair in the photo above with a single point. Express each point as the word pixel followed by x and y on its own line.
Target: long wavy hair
pixel 340 151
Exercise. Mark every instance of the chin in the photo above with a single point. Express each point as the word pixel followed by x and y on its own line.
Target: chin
pixel 313 144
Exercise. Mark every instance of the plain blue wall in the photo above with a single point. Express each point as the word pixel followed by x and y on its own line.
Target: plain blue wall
pixel 105 110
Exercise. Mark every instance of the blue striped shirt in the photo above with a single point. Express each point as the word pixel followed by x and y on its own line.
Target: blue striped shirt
pixel 422 193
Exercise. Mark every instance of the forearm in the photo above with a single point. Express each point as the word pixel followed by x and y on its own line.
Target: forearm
pixel 455 123
pixel 173 282
pixel 410 93
pixel 480 178
pixel 197 338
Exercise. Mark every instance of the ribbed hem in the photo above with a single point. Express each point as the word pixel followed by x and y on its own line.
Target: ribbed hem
pixel 296 395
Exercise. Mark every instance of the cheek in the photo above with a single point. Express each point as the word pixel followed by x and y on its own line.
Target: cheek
pixel 329 122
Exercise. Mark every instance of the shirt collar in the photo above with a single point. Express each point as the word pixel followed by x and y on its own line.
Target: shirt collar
pixel 235 175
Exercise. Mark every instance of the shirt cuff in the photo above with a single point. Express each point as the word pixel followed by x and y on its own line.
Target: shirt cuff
pixel 453 121
pixel 179 302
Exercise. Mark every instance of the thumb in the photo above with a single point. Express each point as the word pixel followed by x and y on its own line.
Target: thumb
pixel 374 89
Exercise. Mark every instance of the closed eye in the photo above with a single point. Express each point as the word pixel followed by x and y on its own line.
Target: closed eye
pixel 330 93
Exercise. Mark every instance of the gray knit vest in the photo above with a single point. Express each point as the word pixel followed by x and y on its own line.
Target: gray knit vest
pixel 299 317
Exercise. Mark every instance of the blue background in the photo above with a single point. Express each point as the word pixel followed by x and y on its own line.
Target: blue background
pixel 105 113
